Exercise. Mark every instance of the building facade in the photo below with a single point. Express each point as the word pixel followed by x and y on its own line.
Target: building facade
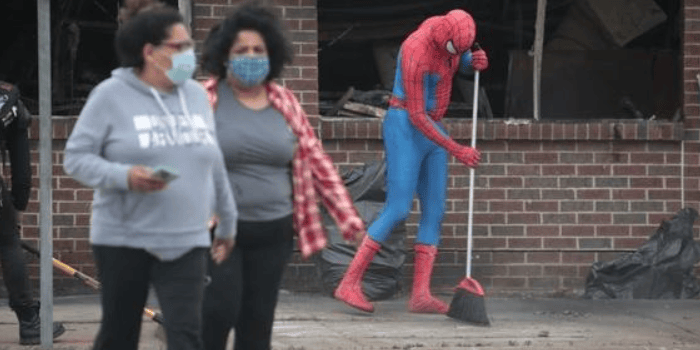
pixel 550 198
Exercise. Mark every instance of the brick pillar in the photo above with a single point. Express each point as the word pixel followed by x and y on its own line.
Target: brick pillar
pixel 691 101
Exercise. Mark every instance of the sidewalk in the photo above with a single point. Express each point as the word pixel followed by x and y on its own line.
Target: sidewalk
pixel 311 322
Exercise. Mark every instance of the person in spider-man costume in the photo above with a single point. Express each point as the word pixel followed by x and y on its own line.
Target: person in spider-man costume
pixel 417 148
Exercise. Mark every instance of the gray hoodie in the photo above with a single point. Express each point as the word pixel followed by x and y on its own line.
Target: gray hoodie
pixel 126 122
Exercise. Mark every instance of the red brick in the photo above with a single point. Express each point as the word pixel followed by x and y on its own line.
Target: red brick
pixel 541 158
pixel 560 270
pixel 286 2
pixel 593 194
pixel 542 231
pixel 578 257
pixel 577 230
pixel 202 10
pixel 628 243
pixel 557 218
pixel 525 243
pixel 301 84
pixel 612 230
pixel 300 13
pixel 523 218
pixel 543 257
pixel 507 182
pixel 489 218
pixel 646 182
pixel 508 257
pixel 525 270
pixel 506 206
pixel 73 207
pixel 74 232
pixel 507 230
pixel 489 243
pixel 588 170
pixel 292 24
pixel 63 245
pixel 521 170
pixel 75 258
pixel 63 195
pixel 309 24
pixel 205 24
pixel 621 170
pixel 643 231
pixel 560 243
pixel 664 194
pixel 547 283
pixel 557 194
pixel 338 157
pixel 509 282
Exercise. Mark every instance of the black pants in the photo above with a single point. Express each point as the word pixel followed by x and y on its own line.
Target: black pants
pixel 14 271
pixel 126 274
pixel 243 290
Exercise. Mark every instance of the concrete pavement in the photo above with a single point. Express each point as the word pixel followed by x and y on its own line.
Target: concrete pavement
pixel 311 322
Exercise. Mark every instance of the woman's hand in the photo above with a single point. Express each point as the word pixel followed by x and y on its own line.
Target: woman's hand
pixel 141 180
pixel 221 248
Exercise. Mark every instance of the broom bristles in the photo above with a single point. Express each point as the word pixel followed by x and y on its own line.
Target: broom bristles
pixel 468 306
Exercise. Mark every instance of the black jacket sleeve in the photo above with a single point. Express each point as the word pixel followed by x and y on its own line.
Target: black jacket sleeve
pixel 17 142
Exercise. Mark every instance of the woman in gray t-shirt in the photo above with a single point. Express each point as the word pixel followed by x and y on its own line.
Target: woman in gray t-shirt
pixel 277 170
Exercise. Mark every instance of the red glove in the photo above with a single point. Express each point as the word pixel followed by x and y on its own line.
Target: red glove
pixel 469 156
pixel 479 60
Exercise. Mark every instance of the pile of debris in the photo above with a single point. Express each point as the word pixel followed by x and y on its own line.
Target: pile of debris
pixel 354 103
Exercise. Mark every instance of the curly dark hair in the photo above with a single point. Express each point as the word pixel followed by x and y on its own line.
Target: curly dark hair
pixel 142 22
pixel 248 15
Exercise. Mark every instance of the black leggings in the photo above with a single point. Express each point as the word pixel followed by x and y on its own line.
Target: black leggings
pixel 243 290
pixel 11 258
pixel 125 275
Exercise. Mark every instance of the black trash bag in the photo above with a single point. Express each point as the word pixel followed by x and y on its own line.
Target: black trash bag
pixel 384 276
pixel 661 269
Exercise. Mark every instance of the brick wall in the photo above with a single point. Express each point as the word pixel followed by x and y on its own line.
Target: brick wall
pixel 550 198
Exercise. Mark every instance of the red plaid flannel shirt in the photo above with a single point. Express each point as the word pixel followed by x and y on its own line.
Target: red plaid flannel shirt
pixel 314 174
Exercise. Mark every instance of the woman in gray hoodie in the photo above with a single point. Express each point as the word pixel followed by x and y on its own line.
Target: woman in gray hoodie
pixel 147 229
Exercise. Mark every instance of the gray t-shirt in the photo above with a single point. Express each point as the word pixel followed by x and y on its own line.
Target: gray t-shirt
pixel 258 149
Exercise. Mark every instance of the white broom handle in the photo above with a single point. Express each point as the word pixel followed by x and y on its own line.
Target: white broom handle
pixel 471 178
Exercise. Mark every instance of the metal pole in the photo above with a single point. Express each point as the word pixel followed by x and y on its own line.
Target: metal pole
pixel 185 7
pixel 537 59
pixel 45 173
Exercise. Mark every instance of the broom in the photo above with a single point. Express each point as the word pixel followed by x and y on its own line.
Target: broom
pixel 87 280
pixel 468 302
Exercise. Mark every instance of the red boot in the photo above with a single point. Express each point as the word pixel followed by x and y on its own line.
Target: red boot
pixel 421 300
pixel 349 290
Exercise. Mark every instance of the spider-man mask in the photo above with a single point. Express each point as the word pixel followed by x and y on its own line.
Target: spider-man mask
pixel 455 32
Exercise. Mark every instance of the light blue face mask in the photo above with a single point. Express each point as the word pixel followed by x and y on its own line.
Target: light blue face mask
pixel 249 70
pixel 184 65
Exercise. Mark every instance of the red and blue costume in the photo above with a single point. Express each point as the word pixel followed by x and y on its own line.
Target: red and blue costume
pixel 417 148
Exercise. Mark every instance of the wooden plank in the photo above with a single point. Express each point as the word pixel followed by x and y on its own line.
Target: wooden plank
pixel 537 65
pixel 347 113
pixel 338 105
pixel 368 110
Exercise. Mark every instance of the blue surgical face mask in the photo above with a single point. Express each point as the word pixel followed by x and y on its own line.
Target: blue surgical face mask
pixel 184 65
pixel 249 70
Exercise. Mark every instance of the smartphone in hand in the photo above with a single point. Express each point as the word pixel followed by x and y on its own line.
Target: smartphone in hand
pixel 165 173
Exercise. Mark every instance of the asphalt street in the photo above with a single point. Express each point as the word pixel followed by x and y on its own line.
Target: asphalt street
pixel 312 321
